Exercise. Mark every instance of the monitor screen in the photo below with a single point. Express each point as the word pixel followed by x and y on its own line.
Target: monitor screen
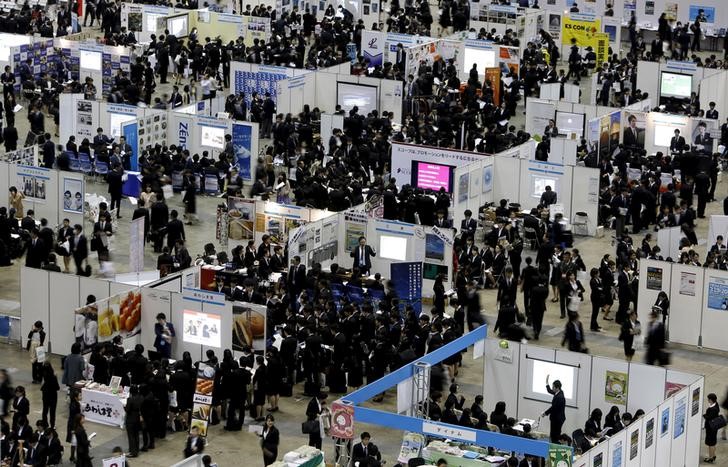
pixel 431 271
pixel 177 25
pixel 431 176
pixel 212 137
pixel 675 85
pixel 391 247
pixel 483 58
pixel 201 328
pixel 539 184
pixel 569 123
pixel 364 97
pixel 90 60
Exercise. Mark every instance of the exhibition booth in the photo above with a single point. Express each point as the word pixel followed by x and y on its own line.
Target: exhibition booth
pixel 698 301
pixel 476 179
pixel 380 47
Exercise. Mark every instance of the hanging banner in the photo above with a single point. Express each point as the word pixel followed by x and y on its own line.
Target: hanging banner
pixel 600 43
pixel 202 401
pixel 408 284
pixel 494 76
pixel 580 27
pixel 136 245
pixel 342 421
pixel 372 47
pixel 242 145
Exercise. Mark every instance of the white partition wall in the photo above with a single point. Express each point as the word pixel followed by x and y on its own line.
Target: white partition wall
pixel 500 373
pixel 678 432
pixel 156 301
pixel 715 309
pixel 600 368
pixel 686 302
pixel 693 442
pixel 646 385
pixel 663 433
pixel 655 277
pixel 633 447
pixel 617 449
pixel 650 423
pixel 64 298
pixel 33 299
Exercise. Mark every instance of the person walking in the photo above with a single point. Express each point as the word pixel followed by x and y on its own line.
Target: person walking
pixel 597 298
pixel 655 341
pixel 574 334
pixel 74 410
pixel 630 328
pixel 134 420
pixel 49 389
pixel 36 339
pixel 83 444
pixel 270 441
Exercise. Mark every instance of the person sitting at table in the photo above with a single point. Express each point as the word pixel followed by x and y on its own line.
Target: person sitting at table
pixel 465 419
pixel 527 431
pixel 435 412
pixel 449 415
pixel 477 412
pixel 508 427
pixel 365 451
pixel 626 419
pixel 498 416
pixel 593 426
pixel 613 420
pixel 453 399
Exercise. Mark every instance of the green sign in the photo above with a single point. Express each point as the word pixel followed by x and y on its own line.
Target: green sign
pixel 559 456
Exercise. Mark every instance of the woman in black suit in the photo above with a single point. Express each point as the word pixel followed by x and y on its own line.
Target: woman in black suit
pixel 270 441
pixel 83 445
pixel 439 290
pixel 711 435
pixel 21 405
pixel 498 416
pixel 630 328
pixel 74 409
pixel 593 426
pixel 663 303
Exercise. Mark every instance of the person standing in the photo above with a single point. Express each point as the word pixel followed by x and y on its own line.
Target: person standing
pixel 557 411
pixel 114 178
pixel 74 410
pixel 630 328
pixel 49 389
pixel 537 302
pixel 73 366
pixel 83 444
pixel 164 332
pixel 134 420
pixel 362 255
pixel 655 341
pixel 36 339
pixel 79 248
pixel 596 297
pixel 711 434
pixel 270 441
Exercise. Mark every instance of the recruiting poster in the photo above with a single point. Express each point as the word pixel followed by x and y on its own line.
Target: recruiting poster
pixel 494 76
pixel 487 178
pixel 73 195
pixel 617 454
pixel 559 456
pixel 580 27
pixel 84 120
pixel 463 187
pixel 717 294
pixel 600 44
pixel 412 444
pixel 242 145
pixel 654 278
pixel 696 402
pixel 407 279
pixel 680 408
pixel 32 183
pixel 687 283
pixel 649 432
pixel 202 400
pixel 615 389
pixel 249 326
pixel 664 421
pixel 201 328
pixel 672 388
pixel 241 215
pixel 634 444
pixel 119 315
pixel 555 25
pixel 434 247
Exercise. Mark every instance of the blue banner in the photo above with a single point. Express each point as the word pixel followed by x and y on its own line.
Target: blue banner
pixel 242 145
pixel 129 130
pixel 407 278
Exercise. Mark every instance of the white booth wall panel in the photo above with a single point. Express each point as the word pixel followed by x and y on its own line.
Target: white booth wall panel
pixel 617 449
pixel 225 311
pixel 646 386
pixel 88 286
pixel 500 376
pixel 674 376
pixel 582 461
pixel 527 407
pixel 174 285
pixel 575 416
pixel 647 453
pixel 713 89
pixel 73 217
pixel 179 304
pixel 598 455
pixel 679 437
pixel 47 208
pixel 648 296
pixel 117 288
pixel 648 77
pixel 664 436
pixel 506 179
pixel 155 301
pixel 63 290
pixel 715 321
pixel 538 114
pixel 632 459
pixel 693 442
pixel 5 182
pixel 34 300
pixel 283 97
pixel 685 309
pixel 599 368
pixel 390 98
pixel 531 169
pixel 326 91
pixel 585 195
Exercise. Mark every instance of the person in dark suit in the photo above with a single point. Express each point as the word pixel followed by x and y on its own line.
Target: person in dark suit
pixel 655 340
pixel 79 248
pixel 631 133
pixel 164 332
pixel 175 229
pixel 630 328
pixel 677 142
pixel 598 291
pixel 277 261
pixel 142 212
pixel 663 303
pixel 711 112
pixel 37 252
pixel 549 196
pixel 296 278
pixel 194 444
pixel 271 440
pixel 115 188
pixel 133 410
pixel 574 334
pixel 441 222
pixel 468 225
pixel 557 411
pixel 593 426
pixel 49 152
pixel 362 256
pixel 507 288
pixel 711 434
pixel 703 139
pixel 364 450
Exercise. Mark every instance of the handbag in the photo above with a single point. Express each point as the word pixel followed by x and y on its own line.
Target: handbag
pixel 309 427
pixel 717 423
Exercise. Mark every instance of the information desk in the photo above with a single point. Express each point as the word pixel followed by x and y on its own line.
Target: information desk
pixel 103 407
pixel 305 456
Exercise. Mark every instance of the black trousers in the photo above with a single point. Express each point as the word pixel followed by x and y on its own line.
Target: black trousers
pixel 594 315
pixel 555 432
pixel 79 265
pixel 133 430
pixel 115 201
pixel 148 435
pixel 49 408
pixel 235 414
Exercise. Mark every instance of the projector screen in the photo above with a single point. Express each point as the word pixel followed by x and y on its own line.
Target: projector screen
pixel 212 137
pixel 538 370
pixel 432 176
pixel 675 85
pixel 393 247
pixel 484 59
pixel 663 135
pixel 569 123
pixel 539 183
pixel 177 26
pixel 349 95
pixel 90 60
pixel 115 121
pixel 201 328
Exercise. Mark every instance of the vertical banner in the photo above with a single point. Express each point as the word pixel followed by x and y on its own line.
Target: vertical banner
pixel 202 401
pixel 136 245
pixel 242 145
pixel 130 131
pixel 600 42
pixel 408 284
pixel 494 76
pixel 372 47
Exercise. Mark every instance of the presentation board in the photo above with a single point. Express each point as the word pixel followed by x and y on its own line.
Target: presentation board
pixel 540 182
pixel 90 60
pixel 212 136
pixel 540 370
pixel 569 123
pixel 432 176
pixel 177 25
pixel 675 85
pixel 362 96
pixel 201 328
pixel 483 58
pixel 115 121
pixel 393 247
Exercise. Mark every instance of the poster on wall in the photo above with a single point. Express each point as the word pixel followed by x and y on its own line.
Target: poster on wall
pixel 342 420
pixel 634 444
pixel 706 13
pixel 649 433
pixel 487 179
pixel 680 409
pixel 695 402
pixel 717 294
pixel 120 315
pixel 202 400
pixel 434 247
pixel 672 388
pixel 353 232
pixel 84 120
pixel 201 328
pixel 241 215
pixel 654 278
pixel 408 284
pixel 633 135
pixel 664 421
pixel 615 388
pixel 649 7
pixel 555 26
pixel 463 187
pixel 617 455
pixel 152 130
pixel 687 283
pixel 579 27
pixel 242 145
pixel 73 195
pixel 671 11
pixel 32 183
pixel 249 326
pixel 559 455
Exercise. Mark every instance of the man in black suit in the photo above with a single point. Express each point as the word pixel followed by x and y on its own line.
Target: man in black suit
pixel 468 225
pixel 37 252
pixel 677 142
pixel 631 132
pixel 711 112
pixel 365 450
pixel 158 218
pixel 277 261
pixel 49 151
pixel 142 212
pixel 507 288
pixel 549 196
pixel 114 178
pixel 296 278
pixel 655 340
pixel 557 411
pixel 175 100
pixel 362 256
pixel 195 444
pixel 440 220
pixel 175 229
pixel 79 248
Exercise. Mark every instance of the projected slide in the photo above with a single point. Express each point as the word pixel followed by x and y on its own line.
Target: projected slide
pixel 364 97
pixel 115 121
pixel 675 85
pixel 569 123
pixel 89 60
pixel 393 247
pixel 432 176
pixel 177 26
pixel 539 184
pixel 212 137
pixel 540 369
pixel 201 328
pixel 151 21
pixel 484 59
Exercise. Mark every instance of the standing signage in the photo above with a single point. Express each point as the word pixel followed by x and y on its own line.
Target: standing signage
pixel 242 145
pixel 408 285
pixel 119 461
pixel 494 76
pixel 580 27
pixel 202 400
pixel 102 407
pixel 559 456
pixel 342 420
pixel 136 245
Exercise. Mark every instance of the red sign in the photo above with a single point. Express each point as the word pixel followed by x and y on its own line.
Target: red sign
pixel 342 420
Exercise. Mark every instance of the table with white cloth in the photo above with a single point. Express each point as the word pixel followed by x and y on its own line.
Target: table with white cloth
pixel 104 407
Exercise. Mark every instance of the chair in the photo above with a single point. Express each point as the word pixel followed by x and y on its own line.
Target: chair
pixel 580 223
pixel 83 157
pixel 74 164
pixel 86 167
pixel 101 168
